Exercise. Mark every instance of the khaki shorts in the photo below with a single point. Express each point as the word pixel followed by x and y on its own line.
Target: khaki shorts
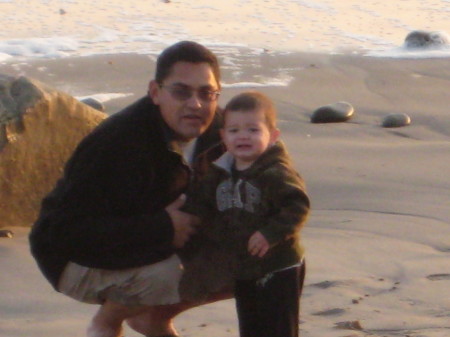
pixel 155 284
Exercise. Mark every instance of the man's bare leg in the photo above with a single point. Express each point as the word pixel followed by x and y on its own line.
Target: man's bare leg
pixel 158 320
pixel 107 322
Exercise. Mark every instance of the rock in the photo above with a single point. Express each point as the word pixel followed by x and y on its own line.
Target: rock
pixel 333 113
pixel 438 277
pixel 325 284
pixel 330 312
pixel 93 103
pixel 349 325
pixel 396 120
pixel 39 129
pixel 426 39
pixel 4 233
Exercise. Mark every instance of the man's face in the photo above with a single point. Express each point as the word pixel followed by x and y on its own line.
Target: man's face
pixel 187 98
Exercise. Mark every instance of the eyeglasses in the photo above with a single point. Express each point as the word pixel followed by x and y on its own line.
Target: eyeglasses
pixel 183 93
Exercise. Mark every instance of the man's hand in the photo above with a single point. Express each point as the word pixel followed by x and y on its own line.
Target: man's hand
pixel 258 245
pixel 183 223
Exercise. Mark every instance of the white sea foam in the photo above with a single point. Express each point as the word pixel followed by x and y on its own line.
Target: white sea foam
pixel 78 28
pixel 255 84
pixel 414 53
pixel 104 97
pixel 4 56
pixel 39 47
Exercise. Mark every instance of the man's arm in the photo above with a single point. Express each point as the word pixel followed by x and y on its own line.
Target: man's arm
pixel 107 211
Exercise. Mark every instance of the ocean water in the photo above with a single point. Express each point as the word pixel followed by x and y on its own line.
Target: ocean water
pixel 61 28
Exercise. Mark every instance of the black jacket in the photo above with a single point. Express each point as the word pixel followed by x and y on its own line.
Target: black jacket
pixel 108 209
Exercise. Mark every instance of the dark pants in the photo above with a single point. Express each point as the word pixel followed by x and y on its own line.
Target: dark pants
pixel 270 307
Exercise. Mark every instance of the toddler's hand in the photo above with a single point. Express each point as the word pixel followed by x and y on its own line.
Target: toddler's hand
pixel 258 245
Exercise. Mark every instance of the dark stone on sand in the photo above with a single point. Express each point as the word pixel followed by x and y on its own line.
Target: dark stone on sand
pixel 330 312
pixel 333 113
pixel 4 233
pixel 39 129
pixel 438 277
pixel 325 284
pixel 93 103
pixel 426 39
pixel 349 325
pixel 396 120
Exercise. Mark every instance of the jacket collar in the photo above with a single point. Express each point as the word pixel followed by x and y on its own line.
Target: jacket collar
pixel 275 153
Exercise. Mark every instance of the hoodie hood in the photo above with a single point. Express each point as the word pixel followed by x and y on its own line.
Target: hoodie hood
pixel 276 153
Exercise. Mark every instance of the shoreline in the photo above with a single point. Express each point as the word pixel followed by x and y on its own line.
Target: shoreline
pixel 130 73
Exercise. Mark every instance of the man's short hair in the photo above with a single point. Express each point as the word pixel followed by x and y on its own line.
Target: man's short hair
pixel 253 101
pixel 185 51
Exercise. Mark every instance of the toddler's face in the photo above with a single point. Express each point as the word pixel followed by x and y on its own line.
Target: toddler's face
pixel 246 136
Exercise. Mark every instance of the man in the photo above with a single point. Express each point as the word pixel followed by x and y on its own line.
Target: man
pixel 108 231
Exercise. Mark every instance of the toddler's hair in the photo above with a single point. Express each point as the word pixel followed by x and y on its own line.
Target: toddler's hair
pixel 253 101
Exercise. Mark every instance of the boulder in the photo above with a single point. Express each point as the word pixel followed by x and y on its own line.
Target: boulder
pixel 39 129
pixel 93 103
pixel 396 120
pixel 426 39
pixel 333 113
pixel 6 233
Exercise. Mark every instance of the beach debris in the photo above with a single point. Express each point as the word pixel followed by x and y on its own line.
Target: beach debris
pixel 40 128
pixel 426 39
pixel 5 233
pixel 349 325
pixel 93 103
pixel 333 113
pixel 396 120
pixel 62 11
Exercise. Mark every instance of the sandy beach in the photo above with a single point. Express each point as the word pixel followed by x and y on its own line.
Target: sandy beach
pixel 378 240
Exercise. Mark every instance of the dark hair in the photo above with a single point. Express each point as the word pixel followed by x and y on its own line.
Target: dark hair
pixel 187 51
pixel 253 101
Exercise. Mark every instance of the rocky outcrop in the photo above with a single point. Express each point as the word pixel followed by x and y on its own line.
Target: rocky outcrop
pixel 39 129
pixel 426 39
